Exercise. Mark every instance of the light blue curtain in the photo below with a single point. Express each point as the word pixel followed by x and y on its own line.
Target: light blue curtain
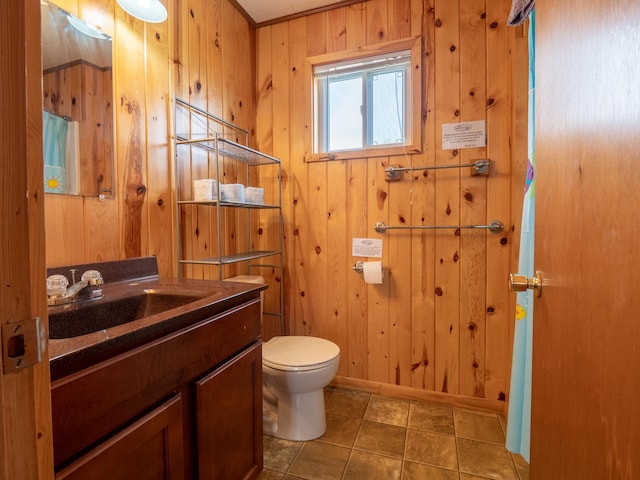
pixel 519 418
pixel 54 131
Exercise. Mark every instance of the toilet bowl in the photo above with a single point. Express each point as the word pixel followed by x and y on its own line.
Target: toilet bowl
pixel 295 370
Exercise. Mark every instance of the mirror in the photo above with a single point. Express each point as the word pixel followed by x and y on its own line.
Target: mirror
pixel 77 114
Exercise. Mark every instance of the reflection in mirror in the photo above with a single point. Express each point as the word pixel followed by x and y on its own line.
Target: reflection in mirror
pixel 77 112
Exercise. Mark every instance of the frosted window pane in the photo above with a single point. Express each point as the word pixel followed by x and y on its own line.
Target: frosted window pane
pixel 345 113
pixel 387 92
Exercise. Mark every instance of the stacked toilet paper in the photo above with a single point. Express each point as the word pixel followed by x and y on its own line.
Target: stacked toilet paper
pixel 254 195
pixel 204 190
pixel 232 192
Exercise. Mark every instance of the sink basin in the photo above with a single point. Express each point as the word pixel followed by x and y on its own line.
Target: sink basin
pixel 88 317
pixel 137 307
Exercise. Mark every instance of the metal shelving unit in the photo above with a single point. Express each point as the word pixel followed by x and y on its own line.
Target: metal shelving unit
pixel 218 140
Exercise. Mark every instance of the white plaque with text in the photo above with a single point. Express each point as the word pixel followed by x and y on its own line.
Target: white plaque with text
pixel 464 135
pixel 367 247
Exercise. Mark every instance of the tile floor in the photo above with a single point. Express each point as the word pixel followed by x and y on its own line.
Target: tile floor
pixel 371 437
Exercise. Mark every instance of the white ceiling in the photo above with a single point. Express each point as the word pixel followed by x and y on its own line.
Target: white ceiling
pixel 265 10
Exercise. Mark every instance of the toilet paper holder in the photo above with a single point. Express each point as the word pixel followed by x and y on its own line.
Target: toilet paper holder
pixel 359 267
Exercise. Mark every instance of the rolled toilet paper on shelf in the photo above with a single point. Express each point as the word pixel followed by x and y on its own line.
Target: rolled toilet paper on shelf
pixel 372 272
pixel 205 190
pixel 232 192
pixel 254 195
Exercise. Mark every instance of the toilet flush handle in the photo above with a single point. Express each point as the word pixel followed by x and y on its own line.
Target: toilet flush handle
pixel 521 283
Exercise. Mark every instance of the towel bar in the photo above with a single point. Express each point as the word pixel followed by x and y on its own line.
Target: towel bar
pixel 480 167
pixel 494 227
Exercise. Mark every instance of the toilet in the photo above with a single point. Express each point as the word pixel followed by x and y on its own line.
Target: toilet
pixel 295 370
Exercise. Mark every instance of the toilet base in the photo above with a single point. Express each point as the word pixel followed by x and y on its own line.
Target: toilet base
pixel 300 416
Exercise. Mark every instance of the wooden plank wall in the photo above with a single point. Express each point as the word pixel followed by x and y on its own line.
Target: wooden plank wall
pixel 440 322
pixel 205 52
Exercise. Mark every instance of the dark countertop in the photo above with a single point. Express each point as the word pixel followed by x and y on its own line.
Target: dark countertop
pixel 69 355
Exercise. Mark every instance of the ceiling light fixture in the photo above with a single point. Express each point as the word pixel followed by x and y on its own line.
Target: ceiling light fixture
pixel 151 11
pixel 85 28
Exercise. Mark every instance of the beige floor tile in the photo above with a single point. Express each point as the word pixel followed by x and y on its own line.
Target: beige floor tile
pixel 418 471
pixel 320 461
pixel 435 418
pixel 485 460
pixel 270 475
pixel 387 410
pixel 348 403
pixel 484 428
pixel 369 466
pixel 521 466
pixel 380 438
pixel 341 430
pixel 431 448
pixel 372 437
pixel 279 454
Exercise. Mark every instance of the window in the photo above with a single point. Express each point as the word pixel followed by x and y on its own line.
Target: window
pixel 366 104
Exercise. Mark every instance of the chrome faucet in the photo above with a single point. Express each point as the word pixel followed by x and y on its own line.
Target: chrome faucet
pixel 58 293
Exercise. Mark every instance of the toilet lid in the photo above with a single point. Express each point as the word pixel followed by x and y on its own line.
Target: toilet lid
pixel 298 352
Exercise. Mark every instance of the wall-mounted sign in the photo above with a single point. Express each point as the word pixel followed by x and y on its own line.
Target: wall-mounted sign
pixel 366 247
pixel 464 135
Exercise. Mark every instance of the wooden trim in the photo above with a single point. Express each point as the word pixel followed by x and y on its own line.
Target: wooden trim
pixel 244 13
pixel 366 51
pixel 415 45
pixel 364 153
pixel 25 418
pixel 73 64
pixel 410 393
pixel 306 13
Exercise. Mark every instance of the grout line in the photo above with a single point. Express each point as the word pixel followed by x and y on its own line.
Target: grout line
pixel 295 458
pixel 353 446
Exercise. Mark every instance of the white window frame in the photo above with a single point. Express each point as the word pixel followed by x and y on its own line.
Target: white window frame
pixel 413 103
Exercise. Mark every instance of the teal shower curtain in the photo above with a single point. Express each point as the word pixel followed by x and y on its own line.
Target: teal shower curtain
pixel 519 418
pixel 54 132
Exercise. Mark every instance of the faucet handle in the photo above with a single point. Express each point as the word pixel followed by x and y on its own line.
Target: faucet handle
pixel 57 285
pixel 92 277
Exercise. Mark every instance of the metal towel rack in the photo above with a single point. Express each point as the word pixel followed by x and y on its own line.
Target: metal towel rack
pixel 494 227
pixel 480 167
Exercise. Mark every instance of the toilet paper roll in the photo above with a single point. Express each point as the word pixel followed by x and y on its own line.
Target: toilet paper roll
pixel 372 272
pixel 204 190
pixel 232 192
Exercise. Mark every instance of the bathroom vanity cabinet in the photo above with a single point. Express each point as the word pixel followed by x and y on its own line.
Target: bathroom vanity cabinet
pixel 186 405
pixel 232 232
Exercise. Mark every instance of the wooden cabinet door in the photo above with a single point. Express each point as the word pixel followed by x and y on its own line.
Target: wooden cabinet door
pixel 150 449
pixel 229 419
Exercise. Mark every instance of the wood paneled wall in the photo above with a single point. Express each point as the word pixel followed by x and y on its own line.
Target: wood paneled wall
pixel 441 320
pixel 204 53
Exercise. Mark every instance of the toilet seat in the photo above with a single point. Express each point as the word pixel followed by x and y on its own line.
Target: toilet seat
pixel 298 353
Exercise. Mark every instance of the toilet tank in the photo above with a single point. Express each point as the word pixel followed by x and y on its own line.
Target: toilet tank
pixel 250 279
